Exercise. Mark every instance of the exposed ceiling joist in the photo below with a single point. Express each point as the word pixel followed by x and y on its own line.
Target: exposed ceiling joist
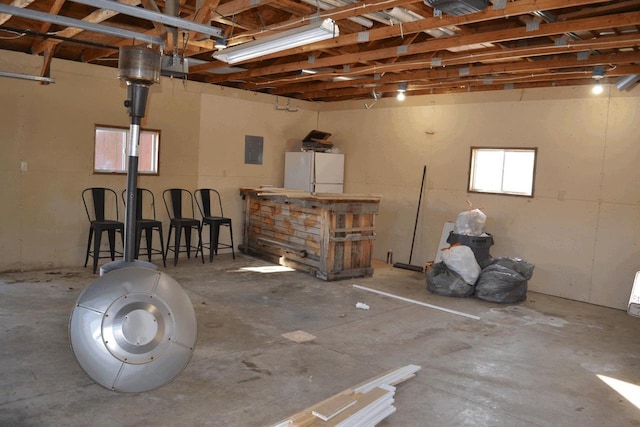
pixel 382 43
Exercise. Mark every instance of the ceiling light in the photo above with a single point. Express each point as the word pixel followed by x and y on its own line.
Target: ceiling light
pixel 402 88
pixel 597 89
pixel 221 43
pixel 598 74
pixel 282 41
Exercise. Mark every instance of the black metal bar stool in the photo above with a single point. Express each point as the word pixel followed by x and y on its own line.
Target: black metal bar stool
pixel 175 199
pixel 210 206
pixel 146 207
pixel 101 205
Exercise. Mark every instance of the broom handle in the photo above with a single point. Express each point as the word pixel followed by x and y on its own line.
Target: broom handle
pixel 415 227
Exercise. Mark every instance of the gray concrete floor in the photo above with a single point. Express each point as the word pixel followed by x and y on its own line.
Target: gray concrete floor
pixel 531 364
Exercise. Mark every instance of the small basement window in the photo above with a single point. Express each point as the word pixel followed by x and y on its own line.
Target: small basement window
pixel 111 154
pixel 502 170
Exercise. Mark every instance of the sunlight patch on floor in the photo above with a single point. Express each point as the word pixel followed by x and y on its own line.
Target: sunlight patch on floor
pixel 629 391
pixel 267 269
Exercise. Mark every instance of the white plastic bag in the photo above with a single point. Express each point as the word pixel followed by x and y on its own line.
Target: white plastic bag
pixel 460 259
pixel 470 223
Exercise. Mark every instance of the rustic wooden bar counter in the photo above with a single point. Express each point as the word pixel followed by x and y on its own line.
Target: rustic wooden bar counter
pixel 327 235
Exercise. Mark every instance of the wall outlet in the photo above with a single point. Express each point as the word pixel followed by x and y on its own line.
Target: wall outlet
pixel 24 166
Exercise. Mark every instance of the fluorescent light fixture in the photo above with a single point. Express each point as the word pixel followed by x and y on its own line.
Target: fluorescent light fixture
pixel 278 42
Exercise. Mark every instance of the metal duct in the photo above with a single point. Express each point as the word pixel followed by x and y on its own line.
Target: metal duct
pixel 152 16
pixel 77 23
pixel 325 6
pixel 405 15
pixel 458 7
pixel 374 16
pixel 627 82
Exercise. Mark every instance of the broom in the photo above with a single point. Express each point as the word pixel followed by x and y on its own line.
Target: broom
pixel 409 266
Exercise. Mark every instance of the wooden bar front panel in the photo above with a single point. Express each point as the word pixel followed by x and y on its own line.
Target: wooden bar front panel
pixel 330 237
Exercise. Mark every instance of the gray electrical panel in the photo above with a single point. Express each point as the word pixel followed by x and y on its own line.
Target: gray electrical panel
pixel 253 149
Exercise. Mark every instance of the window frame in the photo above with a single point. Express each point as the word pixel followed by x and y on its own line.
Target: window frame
pixel 158 135
pixel 510 148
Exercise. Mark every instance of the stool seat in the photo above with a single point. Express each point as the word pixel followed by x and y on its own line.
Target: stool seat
pixel 185 222
pixel 107 224
pixel 146 223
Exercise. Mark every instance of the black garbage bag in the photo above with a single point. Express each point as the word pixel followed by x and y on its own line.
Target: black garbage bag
pixel 442 280
pixel 504 281
pixel 519 265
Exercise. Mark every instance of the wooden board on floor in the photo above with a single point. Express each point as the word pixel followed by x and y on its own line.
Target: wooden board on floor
pixel 375 391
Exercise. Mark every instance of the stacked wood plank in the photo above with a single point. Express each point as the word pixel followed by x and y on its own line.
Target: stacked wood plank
pixel 330 236
pixel 364 405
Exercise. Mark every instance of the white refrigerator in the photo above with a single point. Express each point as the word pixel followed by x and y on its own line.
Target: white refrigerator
pixel 314 172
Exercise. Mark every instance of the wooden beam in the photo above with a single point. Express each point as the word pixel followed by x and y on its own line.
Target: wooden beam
pixel 624 19
pixel 161 29
pixel 46 63
pixel 293 8
pixel 529 70
pixel 338 13
pixel 611 42
pixel 439 82
pixel 520 7
pixel 517 8
pixel 203 15
pixel 55 8
pixel 94 17
pixel 4 17
pixel 619 6
pixel 478 85
pixel 234 7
